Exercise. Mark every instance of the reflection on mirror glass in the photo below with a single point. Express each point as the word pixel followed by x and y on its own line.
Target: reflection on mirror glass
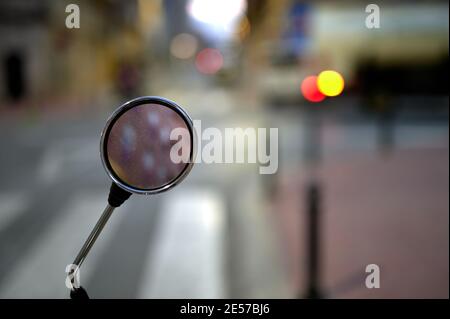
pixel 138 146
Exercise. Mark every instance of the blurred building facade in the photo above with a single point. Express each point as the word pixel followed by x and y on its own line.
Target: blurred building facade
pixel 43 59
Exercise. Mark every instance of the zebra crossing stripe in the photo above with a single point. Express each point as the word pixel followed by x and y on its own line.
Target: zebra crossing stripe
pixel 41 274
pixel 11 205
pixel 187 261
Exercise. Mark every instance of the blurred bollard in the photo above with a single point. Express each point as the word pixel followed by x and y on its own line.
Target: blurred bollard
pixel 312 154
pixel 313 198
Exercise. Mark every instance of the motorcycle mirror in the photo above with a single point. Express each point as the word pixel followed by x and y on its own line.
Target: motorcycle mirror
pixel 137 150
pixel 146 147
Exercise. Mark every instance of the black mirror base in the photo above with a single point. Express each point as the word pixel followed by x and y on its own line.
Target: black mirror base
pixel 117 196
pixel 78 293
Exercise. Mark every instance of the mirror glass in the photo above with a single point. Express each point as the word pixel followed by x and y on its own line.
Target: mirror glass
pixel 138 146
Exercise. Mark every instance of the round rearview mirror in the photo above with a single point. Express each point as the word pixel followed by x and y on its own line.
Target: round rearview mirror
pixel 147 145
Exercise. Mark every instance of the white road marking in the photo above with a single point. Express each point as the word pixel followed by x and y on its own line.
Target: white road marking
pixel 11 204
pixel 41 274
pixel 63 154
pixel 187 260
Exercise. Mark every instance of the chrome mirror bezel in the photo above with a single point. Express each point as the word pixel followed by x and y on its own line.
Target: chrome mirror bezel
pixel 125 107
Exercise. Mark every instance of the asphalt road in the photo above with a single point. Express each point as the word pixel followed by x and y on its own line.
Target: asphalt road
pixel 208 237
pixel 215 235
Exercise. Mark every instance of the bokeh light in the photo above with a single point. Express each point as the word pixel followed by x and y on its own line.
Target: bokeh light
pixel 243 28
pixel 330 83
pixel 216 12
pixel 183 46
pixel 310 90
pixel 209 61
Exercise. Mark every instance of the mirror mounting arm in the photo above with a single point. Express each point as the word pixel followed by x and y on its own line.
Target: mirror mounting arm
pixel 117 196
pixel 111 148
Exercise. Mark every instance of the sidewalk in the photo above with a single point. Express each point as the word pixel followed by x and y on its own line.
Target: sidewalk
pixel 391 211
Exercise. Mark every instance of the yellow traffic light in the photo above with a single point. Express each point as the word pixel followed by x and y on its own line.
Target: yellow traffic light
pixel 330 83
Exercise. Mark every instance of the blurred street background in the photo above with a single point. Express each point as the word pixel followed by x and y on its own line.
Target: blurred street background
pixel 379 151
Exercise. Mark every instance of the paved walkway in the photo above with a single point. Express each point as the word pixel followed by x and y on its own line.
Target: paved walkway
pixel 392 211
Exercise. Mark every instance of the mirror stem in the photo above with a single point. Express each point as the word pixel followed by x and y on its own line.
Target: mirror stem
pixel 116 198
pixel 93 235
